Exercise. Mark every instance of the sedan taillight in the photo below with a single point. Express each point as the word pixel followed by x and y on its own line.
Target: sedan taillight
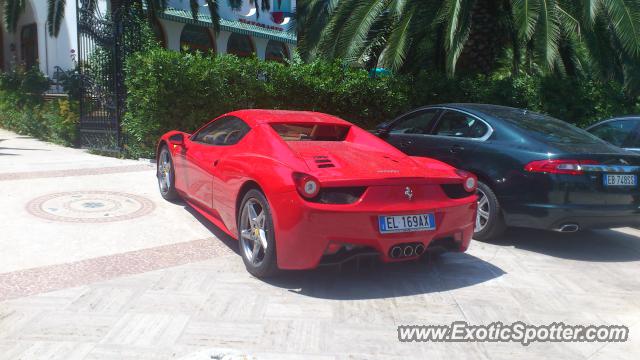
pixel 566 167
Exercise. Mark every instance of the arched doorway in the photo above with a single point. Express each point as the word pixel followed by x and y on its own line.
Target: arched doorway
pixel 196 38
pixel 29 45
pixel 276 51
pixel 240 45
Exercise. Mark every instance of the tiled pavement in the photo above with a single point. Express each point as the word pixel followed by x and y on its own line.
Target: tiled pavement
pixel 168 285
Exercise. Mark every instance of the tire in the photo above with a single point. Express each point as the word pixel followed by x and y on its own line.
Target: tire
pixel 488 226
pixel 166 175
pixel 260 262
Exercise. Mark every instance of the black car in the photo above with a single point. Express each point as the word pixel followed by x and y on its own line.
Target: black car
pixel 534 170
pixel 623 132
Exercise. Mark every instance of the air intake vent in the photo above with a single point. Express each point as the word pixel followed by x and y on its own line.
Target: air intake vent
pixel 323 162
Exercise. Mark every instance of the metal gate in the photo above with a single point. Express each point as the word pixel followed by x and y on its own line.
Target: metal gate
pixel 104 41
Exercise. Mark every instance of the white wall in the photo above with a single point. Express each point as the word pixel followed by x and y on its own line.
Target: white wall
pixel 172 31
pixel 58 49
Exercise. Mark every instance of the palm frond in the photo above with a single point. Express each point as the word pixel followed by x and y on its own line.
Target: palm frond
pixel 549 32
pixel 395 52
pixel 358 27
pixel 12 11
pixel 334 29
pixel 625 20
pixel 55 14
pixel 526 14
pixel 456 16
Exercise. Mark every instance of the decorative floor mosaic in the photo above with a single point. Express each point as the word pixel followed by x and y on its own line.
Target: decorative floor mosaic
pixel 90 206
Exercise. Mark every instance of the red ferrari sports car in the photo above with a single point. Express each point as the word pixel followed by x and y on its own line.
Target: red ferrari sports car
pixel 299 189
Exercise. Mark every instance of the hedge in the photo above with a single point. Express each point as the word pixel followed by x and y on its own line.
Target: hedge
pixel 171 90
pixel 24 109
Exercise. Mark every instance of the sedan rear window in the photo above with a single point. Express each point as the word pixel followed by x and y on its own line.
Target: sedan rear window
pixel 311 132
pixel 545 128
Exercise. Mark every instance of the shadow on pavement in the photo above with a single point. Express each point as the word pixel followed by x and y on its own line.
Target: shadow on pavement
pixel 378 280
pixel 226 239
pixel 593 245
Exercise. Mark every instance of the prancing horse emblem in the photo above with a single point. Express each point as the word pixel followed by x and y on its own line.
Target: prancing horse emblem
pixel 408 193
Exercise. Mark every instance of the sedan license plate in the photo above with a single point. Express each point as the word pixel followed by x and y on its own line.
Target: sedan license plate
pixel 406 223
pixel 620 180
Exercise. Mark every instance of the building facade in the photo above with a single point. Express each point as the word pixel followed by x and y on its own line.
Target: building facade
pixel 245 30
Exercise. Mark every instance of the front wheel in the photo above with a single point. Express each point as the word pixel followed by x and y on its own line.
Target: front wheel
pixel 166 175
pixel 256 235
pixel 489 221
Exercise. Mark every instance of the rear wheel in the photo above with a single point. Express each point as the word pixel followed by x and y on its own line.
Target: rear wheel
pixel 489 221
pixel 166 175
pixel 256 235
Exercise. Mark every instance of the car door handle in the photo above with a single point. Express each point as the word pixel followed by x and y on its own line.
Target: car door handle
pixel 215 163
pixel 405 144
pixel 456 149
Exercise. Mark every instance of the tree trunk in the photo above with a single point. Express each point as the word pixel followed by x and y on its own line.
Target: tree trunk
pixel 487 37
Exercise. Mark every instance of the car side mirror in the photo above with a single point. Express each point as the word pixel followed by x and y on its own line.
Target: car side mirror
pixel 176 139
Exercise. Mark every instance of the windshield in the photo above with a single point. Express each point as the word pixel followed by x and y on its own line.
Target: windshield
pixel 545 128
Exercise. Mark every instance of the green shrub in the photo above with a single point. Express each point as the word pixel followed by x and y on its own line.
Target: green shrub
pixel 23 108
pixel 581 101
pixel 170 90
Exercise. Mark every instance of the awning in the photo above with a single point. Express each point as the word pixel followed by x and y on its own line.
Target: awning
pixel 245 28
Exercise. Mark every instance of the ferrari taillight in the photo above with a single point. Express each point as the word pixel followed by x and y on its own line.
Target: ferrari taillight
pixel 307 185
pixel 566 167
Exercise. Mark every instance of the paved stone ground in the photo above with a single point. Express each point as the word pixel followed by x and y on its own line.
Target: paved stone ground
pixel 95 265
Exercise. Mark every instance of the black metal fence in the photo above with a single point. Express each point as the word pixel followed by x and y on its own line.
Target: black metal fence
pixel 104 41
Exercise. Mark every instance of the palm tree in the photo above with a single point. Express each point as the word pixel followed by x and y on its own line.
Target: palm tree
pixel 472 34
pixel 55 11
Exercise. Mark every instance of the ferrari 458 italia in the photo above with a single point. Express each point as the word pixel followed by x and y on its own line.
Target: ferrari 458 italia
pixel 300 189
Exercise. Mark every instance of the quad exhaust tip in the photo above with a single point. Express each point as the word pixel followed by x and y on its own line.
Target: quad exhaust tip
pixel 406 250
pixel 569 228
pixel 396 251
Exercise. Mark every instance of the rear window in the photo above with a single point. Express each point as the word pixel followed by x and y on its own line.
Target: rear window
pixel 545 128
pixel 311 132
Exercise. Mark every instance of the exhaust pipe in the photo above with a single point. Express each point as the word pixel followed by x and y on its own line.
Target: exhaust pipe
pixel 395 252
pixel 419 249
pixel 408 250
pixel 569 228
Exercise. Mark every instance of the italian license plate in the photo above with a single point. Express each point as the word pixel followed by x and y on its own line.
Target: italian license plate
pixel 620 180
pixel 406 223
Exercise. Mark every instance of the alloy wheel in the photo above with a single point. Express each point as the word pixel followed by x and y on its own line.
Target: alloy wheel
pixel 484 211
pixel 253 231
pixel 164 172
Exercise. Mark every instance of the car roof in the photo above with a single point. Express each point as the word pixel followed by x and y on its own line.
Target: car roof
pixel 626 117
pixel 264 116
